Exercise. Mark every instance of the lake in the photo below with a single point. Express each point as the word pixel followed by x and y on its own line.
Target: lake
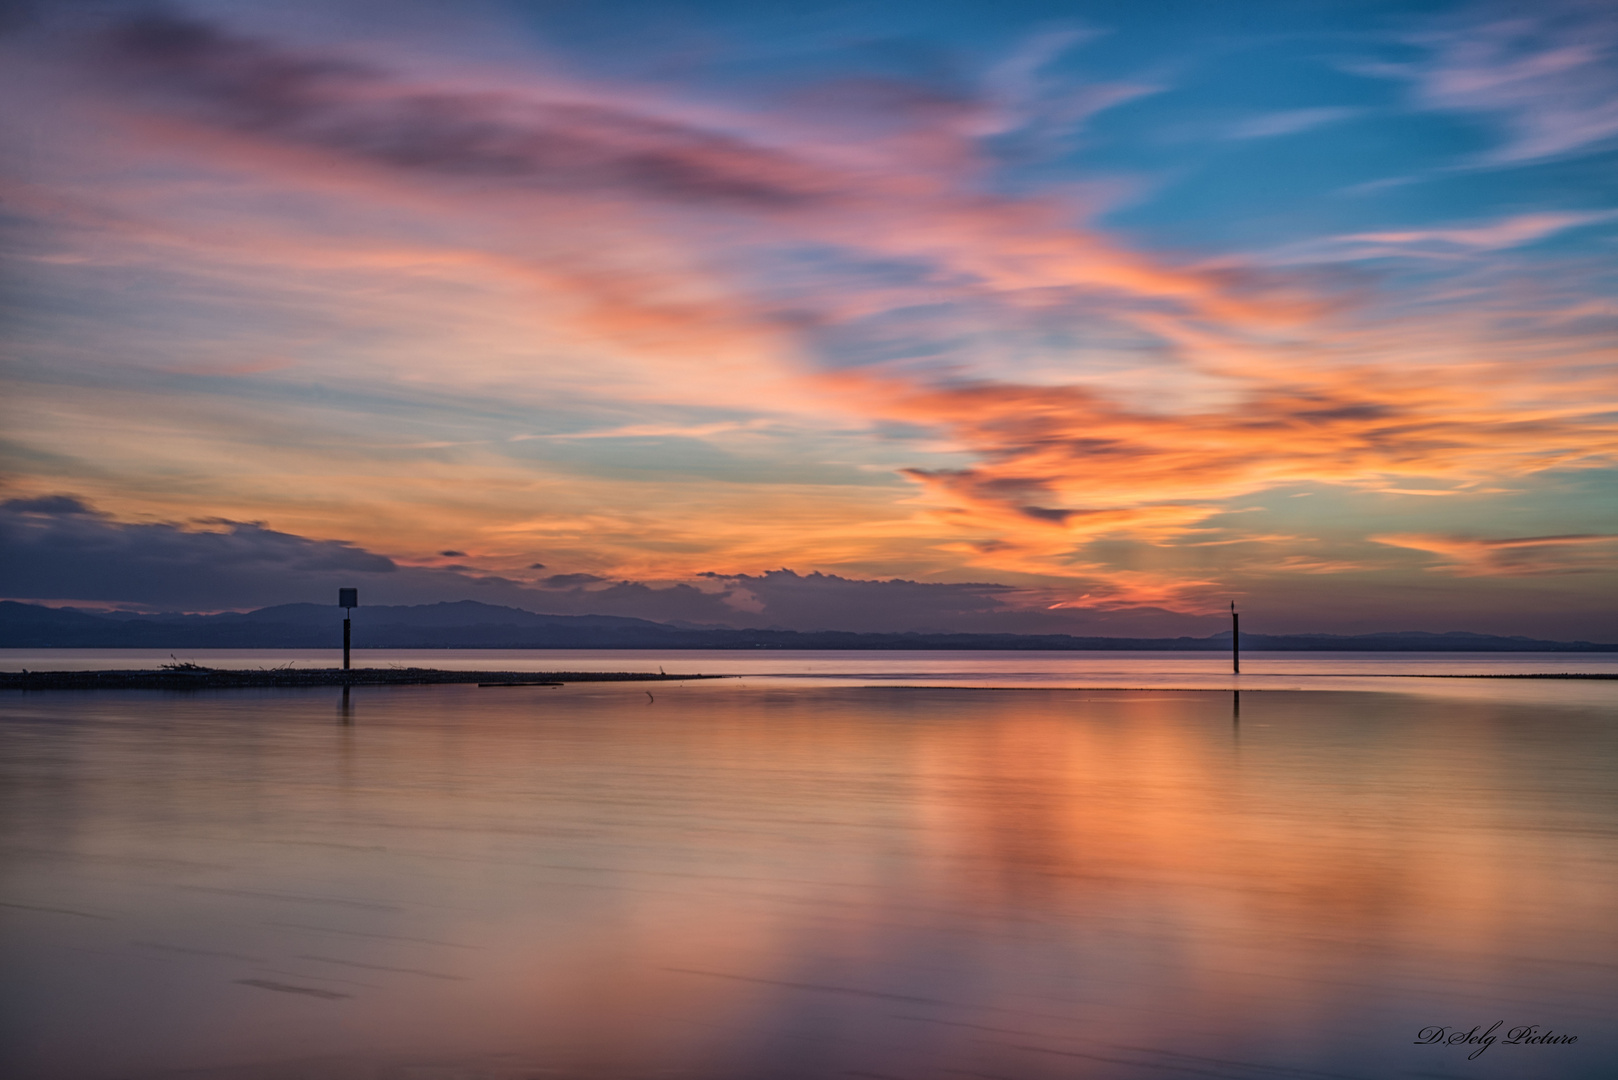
pixel 1122 669
pixel 823 869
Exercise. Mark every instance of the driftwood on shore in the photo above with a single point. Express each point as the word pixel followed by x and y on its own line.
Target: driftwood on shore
pixel 200 678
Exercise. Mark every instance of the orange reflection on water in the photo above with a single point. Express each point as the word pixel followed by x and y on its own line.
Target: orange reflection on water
pixel 729 881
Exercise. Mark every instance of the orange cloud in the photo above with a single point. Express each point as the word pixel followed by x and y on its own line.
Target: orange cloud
pixel 551 243
pixel 1060 466
pixel 1304 564
pixel 1525 556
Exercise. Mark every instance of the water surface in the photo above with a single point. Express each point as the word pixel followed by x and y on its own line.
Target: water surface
pixel 1400 672
pixel 749 879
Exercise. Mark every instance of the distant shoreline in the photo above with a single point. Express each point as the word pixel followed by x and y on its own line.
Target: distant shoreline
pixel 287 678
pixel 471 625
pixel 224 679
pixel 1507 675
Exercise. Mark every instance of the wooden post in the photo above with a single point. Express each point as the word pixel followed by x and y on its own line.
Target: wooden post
pixel 1235 640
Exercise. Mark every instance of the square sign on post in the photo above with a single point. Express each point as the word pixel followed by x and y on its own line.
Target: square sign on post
pixel 348 600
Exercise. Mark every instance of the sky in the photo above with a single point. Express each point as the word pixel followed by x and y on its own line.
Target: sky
pixel 1014 316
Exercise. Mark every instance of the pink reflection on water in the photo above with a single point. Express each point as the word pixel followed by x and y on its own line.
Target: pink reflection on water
pixel 802 882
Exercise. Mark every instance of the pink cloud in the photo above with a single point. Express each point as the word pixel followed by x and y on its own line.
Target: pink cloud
pixel 604 151
pixel 1547 73
pixel 606 243
pixel 1449 243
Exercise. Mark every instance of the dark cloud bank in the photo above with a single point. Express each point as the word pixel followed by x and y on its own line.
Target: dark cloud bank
pixel 59 549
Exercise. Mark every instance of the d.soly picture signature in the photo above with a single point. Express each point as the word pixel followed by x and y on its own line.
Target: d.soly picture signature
pixel 1522 1035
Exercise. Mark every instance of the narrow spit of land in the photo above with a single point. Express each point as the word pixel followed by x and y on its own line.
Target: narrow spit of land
pixel 187 677
pixel 1517 675
pixel 200 678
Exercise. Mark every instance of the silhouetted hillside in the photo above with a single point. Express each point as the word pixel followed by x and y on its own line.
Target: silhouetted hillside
pixel 471 625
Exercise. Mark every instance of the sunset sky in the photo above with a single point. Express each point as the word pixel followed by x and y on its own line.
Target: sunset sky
pixel 1087 317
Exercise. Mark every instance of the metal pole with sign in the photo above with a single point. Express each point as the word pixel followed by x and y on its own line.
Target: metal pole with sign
pixel 348 600
pixel 1235 640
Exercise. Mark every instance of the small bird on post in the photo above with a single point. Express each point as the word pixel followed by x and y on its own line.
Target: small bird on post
pixel 348 600
pixel 1235 640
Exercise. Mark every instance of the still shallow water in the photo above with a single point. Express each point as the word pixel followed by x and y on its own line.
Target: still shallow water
pixel 746 879
pixel 1398 672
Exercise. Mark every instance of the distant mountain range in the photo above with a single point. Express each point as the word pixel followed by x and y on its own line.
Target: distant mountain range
pixel 471 625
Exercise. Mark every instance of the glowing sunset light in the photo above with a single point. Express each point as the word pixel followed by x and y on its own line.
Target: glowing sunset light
pixel 1094 316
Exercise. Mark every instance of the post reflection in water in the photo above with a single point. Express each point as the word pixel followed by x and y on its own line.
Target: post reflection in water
pixel 745 882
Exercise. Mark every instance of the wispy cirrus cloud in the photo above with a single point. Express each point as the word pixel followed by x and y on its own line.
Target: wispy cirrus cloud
pixel 660 431
pixel 659 244
pixel 1305 564
pixel 1453 242
pixel 1037 115
pixel 1547 75
pixel 357 109
pixel 533 311
pixel 600 148
pixel 1290 121
pixel 1523 556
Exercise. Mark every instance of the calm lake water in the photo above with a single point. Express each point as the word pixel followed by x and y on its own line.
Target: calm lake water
pixel 808 877
pixel 1121 669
